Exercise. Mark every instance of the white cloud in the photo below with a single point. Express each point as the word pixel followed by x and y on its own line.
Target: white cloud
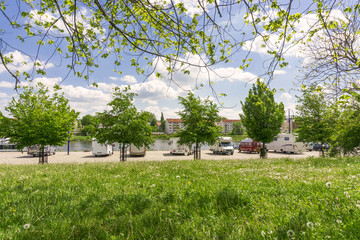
pixel 50 82
pixel 50 17
pixel 3 95
pixel 105 86
pixel 128 79
pixel 279 72
pixel 22 63
pixel 4 84
pixel 199 74
pixel 230 113
pixel 286 96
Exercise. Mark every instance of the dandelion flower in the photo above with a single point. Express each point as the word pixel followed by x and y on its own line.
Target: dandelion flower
pixel 290 233
pixel 310 225
pixel 27 226
pixel 328 184
pixel 163 210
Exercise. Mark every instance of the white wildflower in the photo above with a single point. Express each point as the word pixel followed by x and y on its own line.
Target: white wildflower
pixel 328 184
pixel 177 176
pixel 27 226
pixel 263 233
pixel 310 225
pixel 290 233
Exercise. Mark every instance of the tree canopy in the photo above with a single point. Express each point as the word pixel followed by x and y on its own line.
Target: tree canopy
pixel 199 117
pixel 123 123
pixel 238 129
pixel 262 116
pixel 38 118
pixel 313 116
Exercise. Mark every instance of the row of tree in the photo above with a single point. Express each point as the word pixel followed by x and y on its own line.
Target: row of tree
pixel 44 118
pixel 41 117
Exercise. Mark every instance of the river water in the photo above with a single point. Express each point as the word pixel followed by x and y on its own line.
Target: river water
pixel 159 145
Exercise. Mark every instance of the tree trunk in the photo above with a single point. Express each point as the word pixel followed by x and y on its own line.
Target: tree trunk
pixel 197 154
pixel 322 150
pixel 263 153
pixel 42 154
pixel 122 155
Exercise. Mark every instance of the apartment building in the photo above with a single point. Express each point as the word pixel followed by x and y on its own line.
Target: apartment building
pixel 227 125
pixel 172 125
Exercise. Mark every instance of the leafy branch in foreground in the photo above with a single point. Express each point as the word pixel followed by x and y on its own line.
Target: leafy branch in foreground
pixel 80 32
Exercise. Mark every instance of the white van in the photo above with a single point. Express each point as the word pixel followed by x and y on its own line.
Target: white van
pixel 223 146
pixel 176 148
pixel 135 151
pixel 101 149
pixel 286 143
pixel 35 150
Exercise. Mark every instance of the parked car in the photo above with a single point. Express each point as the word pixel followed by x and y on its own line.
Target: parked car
pixel 309 146
pixel 317 146
pixel 223 146
pixel 248 145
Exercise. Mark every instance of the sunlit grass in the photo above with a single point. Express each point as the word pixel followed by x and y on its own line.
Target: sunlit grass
pixel 255 199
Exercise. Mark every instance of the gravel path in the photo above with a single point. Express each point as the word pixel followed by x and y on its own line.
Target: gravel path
pixel 15 158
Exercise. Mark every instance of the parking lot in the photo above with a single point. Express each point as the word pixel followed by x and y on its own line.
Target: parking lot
pixel 16 158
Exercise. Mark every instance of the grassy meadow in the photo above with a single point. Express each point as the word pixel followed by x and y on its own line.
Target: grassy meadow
pixel 311 198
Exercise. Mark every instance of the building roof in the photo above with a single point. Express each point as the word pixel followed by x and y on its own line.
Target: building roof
pixel 230 120
pixel 174 120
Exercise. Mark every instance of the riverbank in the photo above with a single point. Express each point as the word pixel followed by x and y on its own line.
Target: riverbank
pixel 18 158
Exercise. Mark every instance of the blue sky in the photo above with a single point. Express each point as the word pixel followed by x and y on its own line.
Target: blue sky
pixel 160 95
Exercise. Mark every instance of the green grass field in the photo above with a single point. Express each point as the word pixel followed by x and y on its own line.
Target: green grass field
pixel 310 198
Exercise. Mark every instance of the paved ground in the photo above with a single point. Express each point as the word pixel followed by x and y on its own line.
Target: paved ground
pixel 86 157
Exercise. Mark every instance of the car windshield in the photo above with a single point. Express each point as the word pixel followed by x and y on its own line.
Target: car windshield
pixel 226 144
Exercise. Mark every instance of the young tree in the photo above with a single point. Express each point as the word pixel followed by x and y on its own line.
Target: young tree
pixel 346 128
pixel 162 120
pixel 38 118
pixel 238 129
pixel 152 121
pixel 314 124
pixel 89 125
pixel 199 117
pixel 262 116
pixel 123 123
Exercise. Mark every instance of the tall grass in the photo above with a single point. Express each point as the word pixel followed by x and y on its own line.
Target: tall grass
pixel 311 198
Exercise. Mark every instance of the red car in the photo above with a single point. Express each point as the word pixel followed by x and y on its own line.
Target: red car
pixel 249 145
